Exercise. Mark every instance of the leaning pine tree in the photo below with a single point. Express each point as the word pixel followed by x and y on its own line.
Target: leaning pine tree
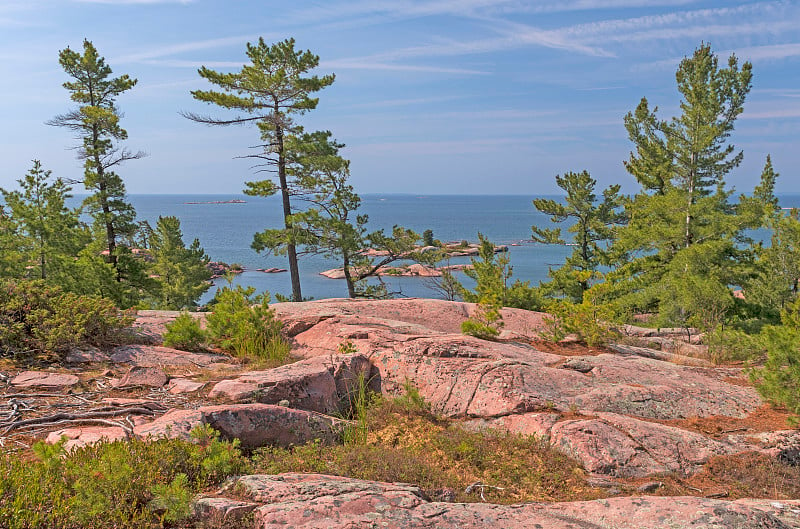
pixel 270 92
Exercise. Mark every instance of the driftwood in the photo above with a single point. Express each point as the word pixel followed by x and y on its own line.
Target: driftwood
pixel 89 416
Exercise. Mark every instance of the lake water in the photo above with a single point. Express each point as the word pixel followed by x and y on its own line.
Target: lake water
pixel 226 230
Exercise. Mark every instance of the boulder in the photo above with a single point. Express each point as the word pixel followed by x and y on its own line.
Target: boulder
pixel 179 386
pixel 254 425
pixel 85 355
pixel 314 501
pixel 45 379
pixel 153 377
pixel 317 384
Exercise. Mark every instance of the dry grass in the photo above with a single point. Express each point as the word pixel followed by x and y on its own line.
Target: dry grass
pixel 414 447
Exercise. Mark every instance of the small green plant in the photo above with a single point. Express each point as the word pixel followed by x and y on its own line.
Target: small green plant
pixel 185 333
pixel 360 397
pixel 243 324
pixel 347 348
pixel 38 317
pixel 172 502
pixel 411 401
pixel 590 322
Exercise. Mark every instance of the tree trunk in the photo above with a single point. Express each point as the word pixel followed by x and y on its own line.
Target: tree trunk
pixel 291 250
pixel 111 236
pixel 351 288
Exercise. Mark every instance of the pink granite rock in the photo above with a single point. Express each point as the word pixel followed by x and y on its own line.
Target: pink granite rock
pixel 153 377
pixel 317 384
pixel 86 435
pixel 179 386
pixel 254 425
pixel 154 356
pixel 28 379
pixel 305 501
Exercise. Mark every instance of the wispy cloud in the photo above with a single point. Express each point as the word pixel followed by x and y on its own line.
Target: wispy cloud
pixel 770 52
pixel 365 64
pixel 129 2
pixel 175 49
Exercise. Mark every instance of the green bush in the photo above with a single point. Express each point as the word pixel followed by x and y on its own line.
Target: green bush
pixel 119 485
pixel 185 333
pixel 243 324
pixel 778 380
pixel 38 317
pixel 591 323
pixel 483 327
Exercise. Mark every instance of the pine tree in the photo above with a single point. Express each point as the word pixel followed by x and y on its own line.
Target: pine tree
pixel 683 206
pixel 50 234
pixel 182 275
pixel 593 225
pixel 96 121
pixel 269 92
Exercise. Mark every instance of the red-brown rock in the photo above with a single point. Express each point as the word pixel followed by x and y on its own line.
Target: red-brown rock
pixel 86 435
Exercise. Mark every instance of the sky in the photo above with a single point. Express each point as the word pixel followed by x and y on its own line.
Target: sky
pixel 430 97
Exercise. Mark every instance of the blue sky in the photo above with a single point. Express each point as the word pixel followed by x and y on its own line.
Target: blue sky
pixel 439 96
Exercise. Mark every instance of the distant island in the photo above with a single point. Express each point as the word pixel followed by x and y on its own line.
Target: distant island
pixel 233 201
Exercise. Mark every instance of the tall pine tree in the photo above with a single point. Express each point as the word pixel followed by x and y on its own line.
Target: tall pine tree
pixel 270 92
pixel 592 227
pixel 96 121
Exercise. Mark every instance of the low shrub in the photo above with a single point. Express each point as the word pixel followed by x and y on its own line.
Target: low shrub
pixel 120 484
pixel 185 333
pixel 778 380
pixel 243 324
pixel 589 322
pixel 37 317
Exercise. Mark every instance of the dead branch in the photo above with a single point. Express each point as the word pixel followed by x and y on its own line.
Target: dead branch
pixel 72 417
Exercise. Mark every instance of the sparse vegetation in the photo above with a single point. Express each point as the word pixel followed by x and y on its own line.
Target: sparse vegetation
pixel 122 484
pixel 405 443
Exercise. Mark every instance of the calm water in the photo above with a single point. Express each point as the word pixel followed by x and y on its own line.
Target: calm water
pixel 226 230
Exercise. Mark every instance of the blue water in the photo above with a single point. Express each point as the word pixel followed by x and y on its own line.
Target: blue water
pixel 226 230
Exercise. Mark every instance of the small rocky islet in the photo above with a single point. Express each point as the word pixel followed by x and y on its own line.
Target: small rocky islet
pixel 630 415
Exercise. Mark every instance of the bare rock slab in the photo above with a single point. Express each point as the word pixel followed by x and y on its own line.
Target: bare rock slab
pixel 155 356
pixel 28 379
pixel 254 425
pixel 314 501
pixel 86 435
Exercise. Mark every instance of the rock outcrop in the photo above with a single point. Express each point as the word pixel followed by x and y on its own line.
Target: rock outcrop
pixel 314 501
